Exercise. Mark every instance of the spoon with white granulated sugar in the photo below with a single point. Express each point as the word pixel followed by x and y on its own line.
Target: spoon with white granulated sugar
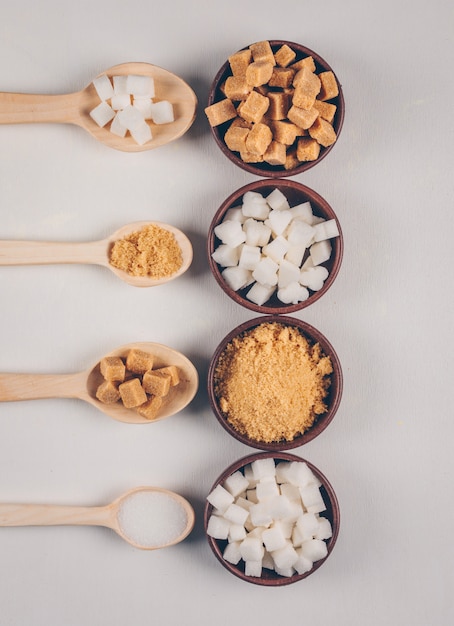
pixel 146 517
pixel 95 253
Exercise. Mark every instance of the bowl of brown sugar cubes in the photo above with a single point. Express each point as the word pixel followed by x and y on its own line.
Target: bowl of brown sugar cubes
pixel 275 108
pixel 275 246
pixel 272 519
pixel 274 383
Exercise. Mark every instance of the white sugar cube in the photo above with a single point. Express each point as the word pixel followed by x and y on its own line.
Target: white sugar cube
pixel 102 114
pixel 260 514
pixel 300 474
pixel 249 474
pixel 285 526
pixel 257 233
pixel 250 257
pixel 218 527
pixel 314 549
pixel 130 117
pixel 266 271
pixel 120 84
pixel 235 214
pixel 303 211
pixel 295 255
pixel 251 495
pixel 232 552
pixel 144 106
pixel 120 101
pixel 244 502
pixel 287 273
pixel 251 549
pixel 162 112
pixel 237 532
pixel 255 205
pixel 230 232
pixel 236 483
pixel 300 234
pixel 324 530
pixel 312 499
pixel 298 537
pixel 277 200
pixel 267 488
pixel 314 277
pixel 226 256
pixel 117 127
pixel 103 87
pixel 278 221
pixel 276 249
pixel 279 507
pixel 293 293
pixel 236 514
pixel 284 571
pixel 291 492
pixel 262 468
pixel 236 277
pixel 274 539
pixel 140 85
pixel 267 561
pixel 307 524
pixel 253 568
pixel 285 557
pixel 220 498
pixel 302 564
pixel 260 294
pixel 142 133
pixel 281 471
pixel 320 252
pixel 326 230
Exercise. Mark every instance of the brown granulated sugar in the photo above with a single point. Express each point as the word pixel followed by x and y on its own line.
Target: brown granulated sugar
pixel 271 382
pixel 152 251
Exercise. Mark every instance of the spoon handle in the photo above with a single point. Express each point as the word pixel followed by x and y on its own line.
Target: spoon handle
pixel 45 253
pixel 38 386
pixel 53 515
pixel 23 108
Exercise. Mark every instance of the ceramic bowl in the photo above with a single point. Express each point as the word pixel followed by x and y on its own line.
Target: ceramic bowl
pixel 269 577
pixel 264 169
pixel 332 400
pixel 296 193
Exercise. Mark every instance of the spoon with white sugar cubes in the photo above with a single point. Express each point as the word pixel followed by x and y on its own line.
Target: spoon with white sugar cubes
pixel 148 518
pixel 130 107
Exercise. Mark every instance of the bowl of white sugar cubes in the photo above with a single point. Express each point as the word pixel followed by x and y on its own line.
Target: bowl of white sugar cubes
pixel 272 519
pixel 275 246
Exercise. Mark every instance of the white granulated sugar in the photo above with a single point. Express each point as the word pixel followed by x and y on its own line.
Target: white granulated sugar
pixel 151 518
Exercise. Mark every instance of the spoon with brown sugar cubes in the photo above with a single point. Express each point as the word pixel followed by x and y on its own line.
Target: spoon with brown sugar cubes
pixel 166 249
pixel 129 107
pixel 138 383
pixel 146 517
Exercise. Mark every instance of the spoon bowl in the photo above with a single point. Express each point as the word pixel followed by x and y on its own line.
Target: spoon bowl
pixel 74 108
pixel 95 252
pixel 83 385
pixel 146 534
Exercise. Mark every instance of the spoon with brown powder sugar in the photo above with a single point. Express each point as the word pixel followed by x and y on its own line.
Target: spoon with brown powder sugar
pixel 96 252
pixel 74 108
pixel 83 385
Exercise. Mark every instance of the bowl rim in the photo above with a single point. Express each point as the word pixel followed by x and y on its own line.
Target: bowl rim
pixel 328 494
pixel 320 424
pixel 270 170
pixel 321 205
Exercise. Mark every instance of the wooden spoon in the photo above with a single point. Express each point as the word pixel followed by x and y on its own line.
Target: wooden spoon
pixel 83 385
pixel 74 108
pixel 94 252
pixel 109 516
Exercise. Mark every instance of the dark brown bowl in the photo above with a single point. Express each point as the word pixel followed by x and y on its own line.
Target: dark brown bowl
pixel 264 169
pixel 270 578
pixel 296 193
pixel 332 400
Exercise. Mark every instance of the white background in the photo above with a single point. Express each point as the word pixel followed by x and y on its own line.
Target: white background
pixel 389 315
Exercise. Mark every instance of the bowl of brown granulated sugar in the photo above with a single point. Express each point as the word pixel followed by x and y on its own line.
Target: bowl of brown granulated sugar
pixel 275 383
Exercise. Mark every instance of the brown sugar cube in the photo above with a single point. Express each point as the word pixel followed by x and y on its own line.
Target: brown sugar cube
pixel 237 88
pixel 284 132
pixel 284 56
pixel 113 368
pixel 302 117
pixel 306 62
pixel 327 110
pixel 279 105
pixel 291 160
pixel 249 157
pixel 329 88
pixel 276 153
pixel 172 371
pixel 220 112
pixel 132 393
pixel 149 409
pixel 261 51
pixel 139 361
pixel 259 73
pixel 323 132
pixel 307 149
pixel 235 138
pixel 239 62
pixel 254 107
pixel 307 88
pixel 107 392
pixel 258 139
pixel 238 122
pixel 156 383
pixel 281 77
